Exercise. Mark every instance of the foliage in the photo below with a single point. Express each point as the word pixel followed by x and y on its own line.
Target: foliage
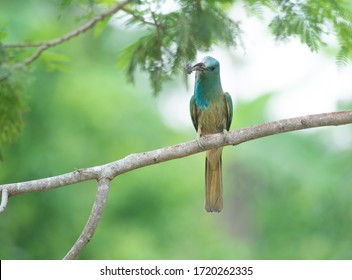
pixel 172 37
pixel 11 101
pixel 175 37
pixel 11 110
pixel 311 20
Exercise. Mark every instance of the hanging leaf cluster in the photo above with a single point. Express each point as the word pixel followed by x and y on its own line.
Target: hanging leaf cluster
pixel 174 38
pixel 311 21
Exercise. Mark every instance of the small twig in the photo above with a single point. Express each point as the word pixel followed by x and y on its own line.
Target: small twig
pixel 4 199
pixel 158 27
pixel 137 17
pixel 93 220
pixel 23 45
pixel 160 44
pixel 46 45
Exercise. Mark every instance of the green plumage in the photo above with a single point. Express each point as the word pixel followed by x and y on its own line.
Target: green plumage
pixel 211 112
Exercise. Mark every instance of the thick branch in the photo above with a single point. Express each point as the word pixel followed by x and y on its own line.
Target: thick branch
pixel 93 221
pixel 4 199
pixel 134 161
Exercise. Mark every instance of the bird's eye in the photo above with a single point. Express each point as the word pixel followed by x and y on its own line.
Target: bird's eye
pixel 212 68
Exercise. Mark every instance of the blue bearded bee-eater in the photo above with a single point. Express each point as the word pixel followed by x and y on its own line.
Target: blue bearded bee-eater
pixel 211 112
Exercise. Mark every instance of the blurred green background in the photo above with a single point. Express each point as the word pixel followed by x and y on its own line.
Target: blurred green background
pixel 286 197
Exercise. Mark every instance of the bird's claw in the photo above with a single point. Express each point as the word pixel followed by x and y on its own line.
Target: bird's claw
pixel 226 135
pixel 199 142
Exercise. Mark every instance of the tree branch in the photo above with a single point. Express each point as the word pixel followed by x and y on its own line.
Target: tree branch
pixel 107 172
pixel 135 161
pixel 4 199
pixel 137 17
pixel 45 45
pixel 23 45
pixel 94 218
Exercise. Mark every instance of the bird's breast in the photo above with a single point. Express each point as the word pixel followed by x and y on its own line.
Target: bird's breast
pixel 212 119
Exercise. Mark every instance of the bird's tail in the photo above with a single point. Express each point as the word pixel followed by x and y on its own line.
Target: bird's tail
pixel 213 181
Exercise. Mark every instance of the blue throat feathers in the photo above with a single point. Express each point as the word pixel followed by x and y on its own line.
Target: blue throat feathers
pixel 205 90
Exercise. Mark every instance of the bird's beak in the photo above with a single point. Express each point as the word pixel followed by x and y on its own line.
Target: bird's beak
pixel 198 67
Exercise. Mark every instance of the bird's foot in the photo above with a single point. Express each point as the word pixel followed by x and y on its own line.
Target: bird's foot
pixel 226 136
pixel 200 142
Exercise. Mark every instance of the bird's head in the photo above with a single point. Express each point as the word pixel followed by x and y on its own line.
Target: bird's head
pixel 208 67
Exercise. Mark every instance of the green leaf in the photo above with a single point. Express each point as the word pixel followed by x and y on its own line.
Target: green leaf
pixel 99 27
pixel 12 108
pixel 343 57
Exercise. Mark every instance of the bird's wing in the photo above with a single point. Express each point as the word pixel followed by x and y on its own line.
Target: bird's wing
pixel 194 112
pixel 229 109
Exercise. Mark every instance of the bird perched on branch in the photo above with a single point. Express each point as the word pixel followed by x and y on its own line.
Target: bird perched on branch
pixel 211 111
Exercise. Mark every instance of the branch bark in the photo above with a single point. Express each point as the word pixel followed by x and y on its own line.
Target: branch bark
pixel 135 161
pixel 4 199
pixel 94 218
pixel 107 172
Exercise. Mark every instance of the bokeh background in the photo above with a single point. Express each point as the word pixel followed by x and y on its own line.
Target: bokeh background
pixel 286 196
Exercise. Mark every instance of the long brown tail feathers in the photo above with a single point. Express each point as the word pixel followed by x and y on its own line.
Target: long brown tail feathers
pixel 213 183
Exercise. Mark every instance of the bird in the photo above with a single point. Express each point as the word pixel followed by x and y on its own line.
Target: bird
pixel 211 112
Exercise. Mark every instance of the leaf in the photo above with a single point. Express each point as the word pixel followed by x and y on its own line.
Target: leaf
pixel 342 58
pixel 99 27
pixel 12 108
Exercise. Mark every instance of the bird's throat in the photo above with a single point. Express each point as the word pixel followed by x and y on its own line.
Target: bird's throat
pixel 206 90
